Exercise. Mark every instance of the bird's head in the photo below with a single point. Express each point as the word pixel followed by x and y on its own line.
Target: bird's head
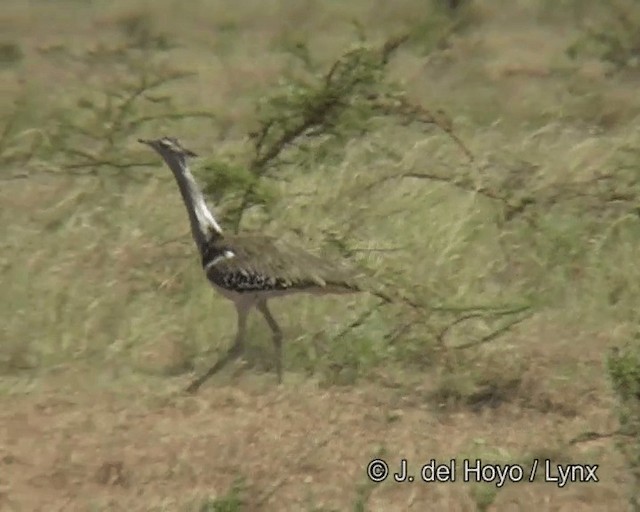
pixel 169 148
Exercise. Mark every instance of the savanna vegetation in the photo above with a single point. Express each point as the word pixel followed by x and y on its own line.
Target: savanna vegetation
pixel 479 159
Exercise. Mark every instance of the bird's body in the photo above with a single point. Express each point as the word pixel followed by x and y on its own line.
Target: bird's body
pixel 249 269
pixel 265 267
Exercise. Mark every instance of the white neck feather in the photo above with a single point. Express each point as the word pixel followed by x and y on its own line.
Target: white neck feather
pixel 204 226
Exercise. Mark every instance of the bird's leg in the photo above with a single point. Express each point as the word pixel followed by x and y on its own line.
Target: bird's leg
pixel 236 349
pixel 277 335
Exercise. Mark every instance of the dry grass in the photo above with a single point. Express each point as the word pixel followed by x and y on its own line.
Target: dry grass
pixel 300 448
pixel 104 313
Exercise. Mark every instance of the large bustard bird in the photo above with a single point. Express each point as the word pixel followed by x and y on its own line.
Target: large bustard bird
pixel 248 269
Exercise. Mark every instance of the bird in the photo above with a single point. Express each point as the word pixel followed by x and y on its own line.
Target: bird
pixel 249 268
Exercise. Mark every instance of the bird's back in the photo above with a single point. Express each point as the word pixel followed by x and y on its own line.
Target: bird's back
pixel 255 263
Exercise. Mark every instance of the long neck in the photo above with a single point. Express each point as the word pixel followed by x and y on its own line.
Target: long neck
pixel 204 227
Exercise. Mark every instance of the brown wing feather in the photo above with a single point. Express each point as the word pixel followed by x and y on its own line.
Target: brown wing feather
pixel 261 262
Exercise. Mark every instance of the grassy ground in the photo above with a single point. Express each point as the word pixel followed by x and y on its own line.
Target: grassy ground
pixel 105 315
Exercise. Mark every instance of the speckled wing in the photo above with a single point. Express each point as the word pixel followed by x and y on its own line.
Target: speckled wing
pixel 248 263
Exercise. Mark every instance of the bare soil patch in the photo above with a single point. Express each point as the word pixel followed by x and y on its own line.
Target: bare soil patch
pixel 297 448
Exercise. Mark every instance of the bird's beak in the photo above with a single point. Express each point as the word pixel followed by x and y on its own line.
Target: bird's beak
pixel 146 141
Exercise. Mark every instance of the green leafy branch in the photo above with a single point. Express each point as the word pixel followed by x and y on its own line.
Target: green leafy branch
pixel 306 120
